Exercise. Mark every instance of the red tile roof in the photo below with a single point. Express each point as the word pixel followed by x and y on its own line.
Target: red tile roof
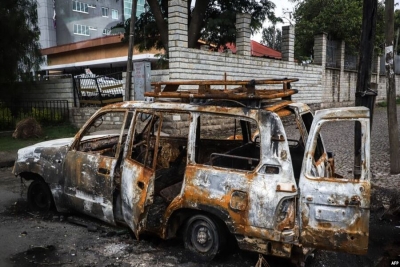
pixel 257 50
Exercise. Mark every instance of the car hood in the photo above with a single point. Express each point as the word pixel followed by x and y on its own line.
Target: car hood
pixel 29 151
pixel 51 147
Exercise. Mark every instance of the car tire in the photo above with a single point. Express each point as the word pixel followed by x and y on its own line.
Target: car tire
pixel 203 237
pixel 39 196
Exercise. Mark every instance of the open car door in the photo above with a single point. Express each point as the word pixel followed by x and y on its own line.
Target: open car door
pixel 91 165
pixel 334 210
pixel 137 182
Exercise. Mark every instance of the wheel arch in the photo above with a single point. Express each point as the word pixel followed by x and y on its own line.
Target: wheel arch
pixel 39 196
pixel 31 176
pixel 56 191
pixel 179 218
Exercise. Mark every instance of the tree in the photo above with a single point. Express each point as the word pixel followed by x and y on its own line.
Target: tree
pixel 391 89
pixel 363 93
pixel 19 47
pixel 272 37
pixel 397 30
pixel 212 21
pixel 340 19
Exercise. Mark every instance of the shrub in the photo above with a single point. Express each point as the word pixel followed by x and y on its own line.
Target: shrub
pixel 6 118
pixel 46 115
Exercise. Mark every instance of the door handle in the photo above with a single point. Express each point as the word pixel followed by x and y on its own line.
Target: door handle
pixel 103 171
pixel 354 201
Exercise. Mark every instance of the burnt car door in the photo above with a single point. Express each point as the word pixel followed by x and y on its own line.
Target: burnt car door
pixel 138 170
pixel 334 209
pixel 91 165
pixel 248 177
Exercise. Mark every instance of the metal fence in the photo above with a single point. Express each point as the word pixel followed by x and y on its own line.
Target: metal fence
pixel 350 62
pixel 93 90
pixel 53 112
pixel 333 57
pixel 331 54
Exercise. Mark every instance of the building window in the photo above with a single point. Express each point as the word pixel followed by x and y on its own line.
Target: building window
pixel 104 11
pixel 81 29
pixel 106 31
pixel 80 7
pixel 114 14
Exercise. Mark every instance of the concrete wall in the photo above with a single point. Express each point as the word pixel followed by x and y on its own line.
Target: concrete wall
pixel 194 64
pixel 55 89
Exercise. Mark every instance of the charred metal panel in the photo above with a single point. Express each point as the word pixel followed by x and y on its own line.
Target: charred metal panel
pixel 302 108
pixel 335 211
pixel 136 192
pixel 89 184
pixel 46 160
pixel 265 192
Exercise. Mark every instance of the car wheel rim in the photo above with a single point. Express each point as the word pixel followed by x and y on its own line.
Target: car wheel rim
pixel 40 199
pixel 202 238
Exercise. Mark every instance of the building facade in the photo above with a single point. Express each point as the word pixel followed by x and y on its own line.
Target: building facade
pixel 46 23
pixel 70 21
pixel 128 8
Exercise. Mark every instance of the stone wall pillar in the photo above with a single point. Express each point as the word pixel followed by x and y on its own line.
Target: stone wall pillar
pixel 342 93
pixel 340 55
pixel 288 43
pixel 243 34
pixel 320 49
pixel 377 63
pixel 177 24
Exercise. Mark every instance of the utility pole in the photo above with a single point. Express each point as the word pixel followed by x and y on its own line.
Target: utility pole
pixel 364 95
pixel 129 66
pixel 391 89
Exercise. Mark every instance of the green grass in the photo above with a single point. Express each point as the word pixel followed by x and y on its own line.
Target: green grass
pixel 384 103
pixel 7 143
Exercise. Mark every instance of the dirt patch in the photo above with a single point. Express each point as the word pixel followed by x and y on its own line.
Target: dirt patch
pixel 38 256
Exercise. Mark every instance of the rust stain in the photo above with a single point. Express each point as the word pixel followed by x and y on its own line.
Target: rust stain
pixel 288 221
pixel 204 90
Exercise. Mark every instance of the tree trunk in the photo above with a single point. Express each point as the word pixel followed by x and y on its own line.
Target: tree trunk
pixel 196 22
pixel 363 92
pixel 161 23
pixel 129 67
pixel 391 90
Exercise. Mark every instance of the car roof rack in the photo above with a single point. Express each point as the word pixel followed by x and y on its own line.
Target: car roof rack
pixel 246 92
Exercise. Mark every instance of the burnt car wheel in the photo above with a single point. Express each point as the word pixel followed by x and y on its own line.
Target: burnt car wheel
pixel 203 237
pixel 39 196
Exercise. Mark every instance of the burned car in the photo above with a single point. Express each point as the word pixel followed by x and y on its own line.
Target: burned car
pixel 208 161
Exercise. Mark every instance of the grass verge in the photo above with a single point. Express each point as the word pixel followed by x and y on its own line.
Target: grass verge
pixel 7 143
pixel 384 103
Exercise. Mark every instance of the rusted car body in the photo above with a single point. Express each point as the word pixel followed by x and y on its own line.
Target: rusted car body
pixel 174 168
